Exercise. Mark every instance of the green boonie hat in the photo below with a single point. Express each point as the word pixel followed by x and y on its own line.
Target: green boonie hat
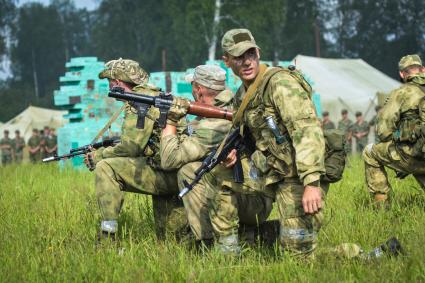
pixel 409 60
pixel 125 70
pixel 237 41
pixel 209 76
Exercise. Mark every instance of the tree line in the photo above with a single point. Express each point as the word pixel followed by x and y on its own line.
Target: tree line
pixel 173 35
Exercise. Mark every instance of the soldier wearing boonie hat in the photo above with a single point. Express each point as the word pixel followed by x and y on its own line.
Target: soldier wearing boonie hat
pixel 133 164
pixel 396 126
pixel 125 70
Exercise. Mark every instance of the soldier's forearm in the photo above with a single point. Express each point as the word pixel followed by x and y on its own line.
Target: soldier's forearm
pixel 169 130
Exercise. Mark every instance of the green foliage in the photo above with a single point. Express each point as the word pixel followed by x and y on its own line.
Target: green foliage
pixel 49 220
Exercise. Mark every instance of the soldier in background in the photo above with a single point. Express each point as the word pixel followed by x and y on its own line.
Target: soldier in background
pixel 327 124
pixel 19 145
pixel 44 135
pixel 372 122
pixel 51 143
pixel 34 147
pixel 345 125
pixel 6 146
pixel 360 131
pixel 399 126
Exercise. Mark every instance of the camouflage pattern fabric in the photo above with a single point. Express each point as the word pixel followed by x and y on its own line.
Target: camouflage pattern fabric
pixel 360 128
pixel 328 125
pixel 346 125
pixel 51 142
pixel 125 70
pixel 133 166
pixel 300 158
pixel 397 156
pixel 7 151
pixel 33 142
pixel 372 123
pixel 19 145
pixel 409 60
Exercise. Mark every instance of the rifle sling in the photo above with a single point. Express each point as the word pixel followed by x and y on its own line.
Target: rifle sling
pixel 108 125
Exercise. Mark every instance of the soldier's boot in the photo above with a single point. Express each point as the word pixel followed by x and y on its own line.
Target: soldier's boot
pixel 204 245
pixel 391 248
pixel 269 232
pixel 107 234
pixel 248 234
pixel 229 245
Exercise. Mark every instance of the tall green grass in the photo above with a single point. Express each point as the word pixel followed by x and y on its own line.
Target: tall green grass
pixel 49 219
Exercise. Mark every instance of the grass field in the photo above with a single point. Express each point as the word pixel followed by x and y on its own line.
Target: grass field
pixel 49 218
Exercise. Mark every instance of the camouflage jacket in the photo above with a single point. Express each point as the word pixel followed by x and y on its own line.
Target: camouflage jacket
pixel 8 149
pixel 34 141
pixel 360 128
pixel 137 142
pixel 289 103
pixel 345 125
pixel 51 141
pixel 328 126
pixel 19 144
pixel 400 103
pixel 207 133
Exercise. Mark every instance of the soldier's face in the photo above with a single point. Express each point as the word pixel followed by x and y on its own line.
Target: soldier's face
pixel 246 66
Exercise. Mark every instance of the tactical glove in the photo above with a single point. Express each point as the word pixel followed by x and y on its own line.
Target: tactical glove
pixel 178 110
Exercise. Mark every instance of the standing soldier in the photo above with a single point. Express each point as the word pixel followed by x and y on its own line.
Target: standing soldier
pixel 6 146
pixel 44 135
pixel 372 122
pixel 19 145
pixel 208 86
pixel 51 143
pixel 327 124
pixel 360 131
pixel 34 147
pixel 345 125
pixel 400 128
pixel 133 165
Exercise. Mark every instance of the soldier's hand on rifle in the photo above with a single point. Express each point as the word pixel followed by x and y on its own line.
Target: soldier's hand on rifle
pixel 89 161
pixel 178 110
pixel 312 199
pixel 230 159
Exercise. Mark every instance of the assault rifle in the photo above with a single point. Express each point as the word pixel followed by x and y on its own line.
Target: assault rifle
pixel 163 102
pixel 233 141
pixel 83 150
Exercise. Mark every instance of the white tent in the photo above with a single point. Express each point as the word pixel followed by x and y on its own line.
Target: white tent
pixel 345 83
pixel 33 117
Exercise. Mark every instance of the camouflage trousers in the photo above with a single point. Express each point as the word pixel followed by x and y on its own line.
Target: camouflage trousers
pixel 36 157
pixel 114 176
pixel 6 159
pixel 224 212
pixel 298 231
pixel 381 155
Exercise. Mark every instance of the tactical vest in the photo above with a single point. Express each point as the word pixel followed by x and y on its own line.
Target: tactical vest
pixel 335 139
pixel 411 127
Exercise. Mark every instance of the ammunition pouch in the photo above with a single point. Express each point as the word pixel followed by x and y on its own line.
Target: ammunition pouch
pixel 335 155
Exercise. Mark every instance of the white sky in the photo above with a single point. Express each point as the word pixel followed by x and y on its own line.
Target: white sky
pixel 89 4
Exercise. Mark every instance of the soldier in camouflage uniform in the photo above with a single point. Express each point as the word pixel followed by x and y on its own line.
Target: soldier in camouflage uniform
pixel 327 124
pixel 18 146
pixel 345 125
pixel 291 169
pixel 51 143
pixel 6 146
pixel 34 147
pixel 360 131
pixel 133 165
pixel 397 125
pixel 208 86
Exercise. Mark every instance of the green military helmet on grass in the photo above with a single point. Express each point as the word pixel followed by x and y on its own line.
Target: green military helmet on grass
pixel 125 70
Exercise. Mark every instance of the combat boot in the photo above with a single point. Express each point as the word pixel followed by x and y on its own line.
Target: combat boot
pixel 269 232
pixel 229 245
pixel 391 248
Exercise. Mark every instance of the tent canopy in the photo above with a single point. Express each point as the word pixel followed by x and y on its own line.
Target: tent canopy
pixel 349 84
pixel 33 117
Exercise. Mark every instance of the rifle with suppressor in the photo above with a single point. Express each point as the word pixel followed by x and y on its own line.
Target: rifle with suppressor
pixel 233 141
pixel 83 150
pixel 163 102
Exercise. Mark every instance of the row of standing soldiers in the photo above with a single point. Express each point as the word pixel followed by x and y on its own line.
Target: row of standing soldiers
pixel 359 129
pixel 41 144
